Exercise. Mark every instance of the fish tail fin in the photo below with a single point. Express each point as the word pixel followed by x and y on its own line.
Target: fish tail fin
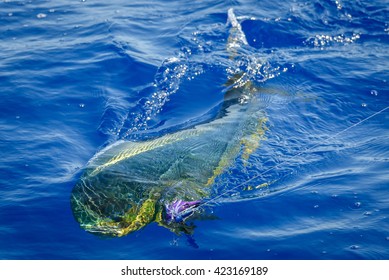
pixel 237 37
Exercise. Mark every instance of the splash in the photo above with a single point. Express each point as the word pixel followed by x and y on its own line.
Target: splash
pixel 205 50
pixel 167 82
pixel 321 40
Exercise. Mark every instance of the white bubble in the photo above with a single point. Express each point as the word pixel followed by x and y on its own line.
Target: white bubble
pixel 338 5
pixel 374 92
pixel 82 105
pixel 41 15
pixel 364 105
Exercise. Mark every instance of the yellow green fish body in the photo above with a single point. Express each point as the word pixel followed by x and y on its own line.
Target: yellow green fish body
pixel 125 186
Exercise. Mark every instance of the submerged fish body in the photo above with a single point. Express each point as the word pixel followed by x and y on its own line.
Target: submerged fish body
pixel 127 185
pixel 131 184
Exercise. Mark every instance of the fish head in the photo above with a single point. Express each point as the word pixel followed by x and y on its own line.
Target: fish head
pixel 111 206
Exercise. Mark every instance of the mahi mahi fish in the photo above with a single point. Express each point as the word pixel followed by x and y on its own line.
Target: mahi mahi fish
pixel 129 185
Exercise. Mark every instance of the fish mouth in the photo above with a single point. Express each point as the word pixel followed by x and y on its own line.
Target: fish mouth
pixel 179 210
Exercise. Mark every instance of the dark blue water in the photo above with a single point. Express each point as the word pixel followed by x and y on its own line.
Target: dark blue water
pixel 76 76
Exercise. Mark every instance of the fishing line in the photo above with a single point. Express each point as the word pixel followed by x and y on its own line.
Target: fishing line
pixel 296 155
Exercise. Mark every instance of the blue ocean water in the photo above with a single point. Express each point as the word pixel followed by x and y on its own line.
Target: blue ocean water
pixel 76 76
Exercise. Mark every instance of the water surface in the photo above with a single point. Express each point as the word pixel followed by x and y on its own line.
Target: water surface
pixel 77 76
